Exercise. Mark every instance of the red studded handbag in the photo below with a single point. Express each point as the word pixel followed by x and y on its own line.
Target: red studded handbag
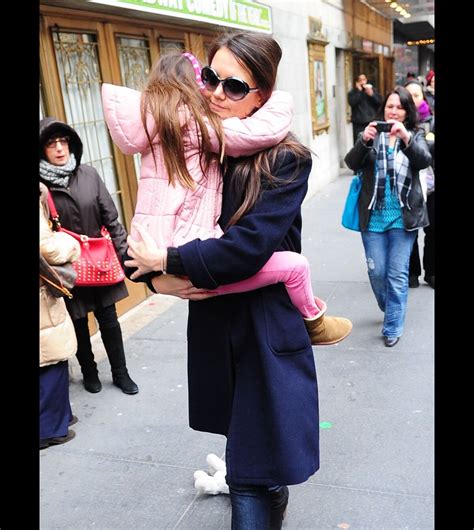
pixel 98 264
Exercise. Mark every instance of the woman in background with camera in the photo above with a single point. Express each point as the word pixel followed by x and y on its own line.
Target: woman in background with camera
pixel 391 202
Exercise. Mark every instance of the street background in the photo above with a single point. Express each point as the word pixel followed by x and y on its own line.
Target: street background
pixel 131 464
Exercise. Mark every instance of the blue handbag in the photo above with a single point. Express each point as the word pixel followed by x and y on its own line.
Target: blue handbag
pixel 350 215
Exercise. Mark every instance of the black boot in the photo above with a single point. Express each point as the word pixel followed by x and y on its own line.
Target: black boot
pixel 113 342
pixel 85 356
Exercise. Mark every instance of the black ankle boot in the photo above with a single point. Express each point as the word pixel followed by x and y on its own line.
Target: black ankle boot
pixel 124 382
pixel 279 505
pixel 91 382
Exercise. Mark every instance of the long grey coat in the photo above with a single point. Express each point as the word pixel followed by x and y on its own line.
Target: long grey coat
pixel 84 207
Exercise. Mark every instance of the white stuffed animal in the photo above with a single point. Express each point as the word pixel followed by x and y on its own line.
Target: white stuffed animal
pixel 212 483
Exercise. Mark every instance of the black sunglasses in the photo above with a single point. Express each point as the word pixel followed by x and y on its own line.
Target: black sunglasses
pixel 63 140
pixel 233 87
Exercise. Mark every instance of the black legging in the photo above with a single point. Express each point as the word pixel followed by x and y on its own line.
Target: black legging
pixel 107 319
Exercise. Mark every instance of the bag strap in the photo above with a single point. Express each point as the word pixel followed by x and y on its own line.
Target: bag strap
pixel 59 286
pixel 53 212
pixel 109 257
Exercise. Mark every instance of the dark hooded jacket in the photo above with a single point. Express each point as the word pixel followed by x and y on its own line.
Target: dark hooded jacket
pixel 84 207
pixel 363 106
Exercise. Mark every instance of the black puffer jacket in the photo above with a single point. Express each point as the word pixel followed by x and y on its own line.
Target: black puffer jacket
pixel 84 207
pixel 362 157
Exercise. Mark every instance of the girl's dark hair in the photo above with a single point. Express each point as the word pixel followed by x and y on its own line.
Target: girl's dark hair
pixel 170 93
pixel 260 55
pixel 407 103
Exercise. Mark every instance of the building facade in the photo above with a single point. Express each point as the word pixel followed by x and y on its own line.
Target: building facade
pixel 326 44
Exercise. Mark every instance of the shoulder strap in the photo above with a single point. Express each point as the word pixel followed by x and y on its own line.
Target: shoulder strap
pixel 53 212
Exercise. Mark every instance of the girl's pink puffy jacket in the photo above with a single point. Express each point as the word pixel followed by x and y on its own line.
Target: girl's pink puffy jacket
pixel 174 215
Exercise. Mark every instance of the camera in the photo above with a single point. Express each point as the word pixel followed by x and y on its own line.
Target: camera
pixel 383 126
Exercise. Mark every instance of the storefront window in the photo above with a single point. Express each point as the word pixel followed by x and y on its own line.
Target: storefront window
pixel 134 58
pixel 167 45
pixel 135 64
pixel 79 73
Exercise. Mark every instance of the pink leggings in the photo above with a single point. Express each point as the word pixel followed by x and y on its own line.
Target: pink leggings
pixel 290 268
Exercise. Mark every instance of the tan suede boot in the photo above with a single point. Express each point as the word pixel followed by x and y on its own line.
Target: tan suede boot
pixel 325 330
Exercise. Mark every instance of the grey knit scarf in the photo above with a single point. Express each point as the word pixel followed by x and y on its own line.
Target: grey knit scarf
pixel 58 175
pixel 395 167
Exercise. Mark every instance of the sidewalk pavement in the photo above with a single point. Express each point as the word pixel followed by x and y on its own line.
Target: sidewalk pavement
pixel 132 461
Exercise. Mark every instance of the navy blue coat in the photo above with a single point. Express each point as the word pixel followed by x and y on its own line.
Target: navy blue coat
pixel 251 371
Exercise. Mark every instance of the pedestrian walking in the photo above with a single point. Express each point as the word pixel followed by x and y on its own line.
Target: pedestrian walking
pixel 427 121
pixel 251 372
pixel 391 204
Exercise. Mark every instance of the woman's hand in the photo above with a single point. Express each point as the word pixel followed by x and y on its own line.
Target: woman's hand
pixel 180 287
pixel 147 257
pixel 399 130
pixel 369 132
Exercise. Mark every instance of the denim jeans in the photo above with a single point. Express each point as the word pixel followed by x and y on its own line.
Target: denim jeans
pixel 388 258
pixel 252 507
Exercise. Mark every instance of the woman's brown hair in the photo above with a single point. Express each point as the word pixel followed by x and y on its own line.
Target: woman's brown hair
pixel 172 89
pixel 260 55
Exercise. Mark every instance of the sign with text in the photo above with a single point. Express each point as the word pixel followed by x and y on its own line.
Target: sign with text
pixel 242 14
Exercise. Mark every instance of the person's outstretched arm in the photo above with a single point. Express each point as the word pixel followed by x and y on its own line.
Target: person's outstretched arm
pixel 246 246
pixel 268 126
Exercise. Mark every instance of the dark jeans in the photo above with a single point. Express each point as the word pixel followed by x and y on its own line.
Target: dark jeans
pixel 252 507
pixel 428 249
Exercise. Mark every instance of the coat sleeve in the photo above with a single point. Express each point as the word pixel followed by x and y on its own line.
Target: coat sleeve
pixel 265 128
pixel 376 100
pixel 417 151
pixel 109 218
pixel 355 97
pixel 268 126
pixel 247 245
pixel 355 158
pixel 56 247
pixel 122 114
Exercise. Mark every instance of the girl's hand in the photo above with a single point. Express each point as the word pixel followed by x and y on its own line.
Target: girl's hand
pixel 147 257
pixel 180 287
pixel 369 132
pixel 399 130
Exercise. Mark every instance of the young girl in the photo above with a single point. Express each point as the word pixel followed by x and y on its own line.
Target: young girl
pixel 180 189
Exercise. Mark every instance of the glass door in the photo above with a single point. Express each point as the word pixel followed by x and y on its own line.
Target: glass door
pixel 74 62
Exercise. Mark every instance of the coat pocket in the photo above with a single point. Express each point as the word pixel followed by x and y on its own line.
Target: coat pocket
pixel 284 326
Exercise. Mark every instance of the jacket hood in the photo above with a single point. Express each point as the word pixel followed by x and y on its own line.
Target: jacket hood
pixel 50 127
